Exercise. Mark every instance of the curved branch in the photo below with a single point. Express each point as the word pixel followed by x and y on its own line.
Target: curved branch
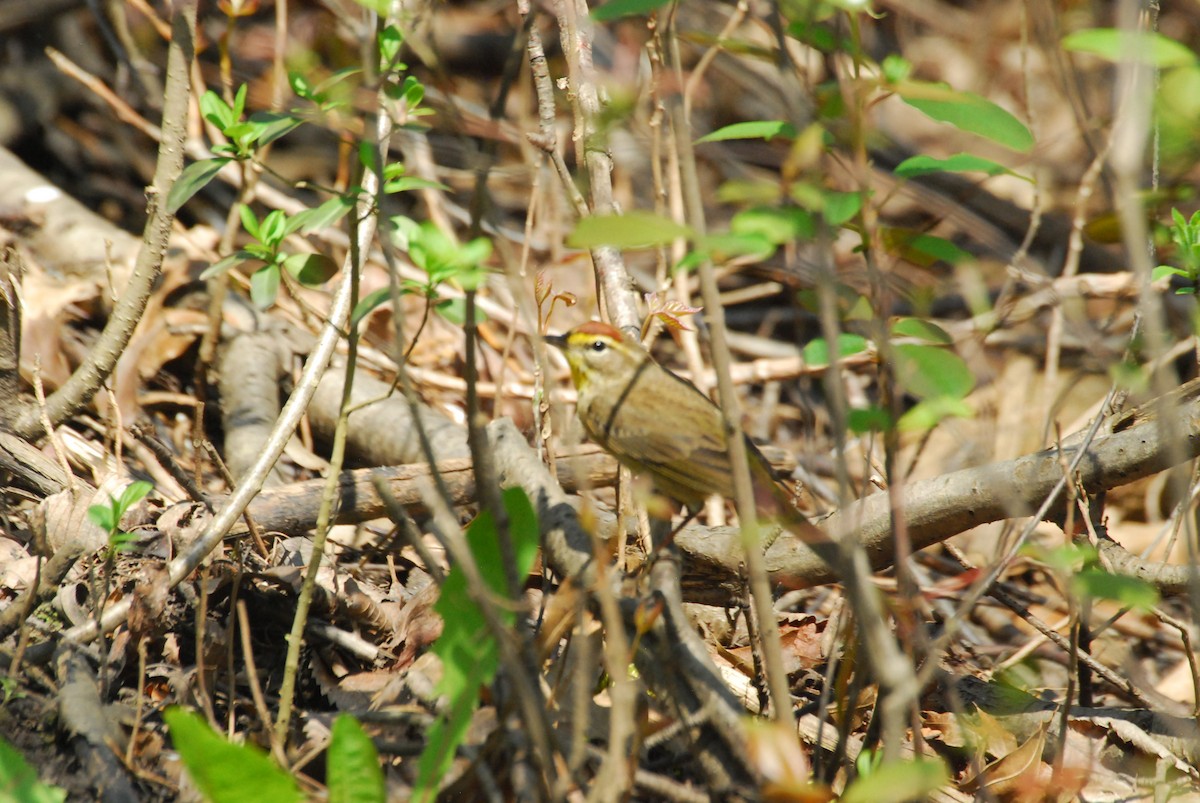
pixel 102 358
pixel 944 506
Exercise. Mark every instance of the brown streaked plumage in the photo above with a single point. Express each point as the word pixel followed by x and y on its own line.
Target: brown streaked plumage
pixel 659 424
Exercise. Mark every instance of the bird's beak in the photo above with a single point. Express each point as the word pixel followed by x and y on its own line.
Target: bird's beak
pixel 558 341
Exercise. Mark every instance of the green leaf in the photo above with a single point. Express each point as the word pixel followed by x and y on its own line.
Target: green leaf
pixel 721 247
pixel 408 183
pixel 777 225
pixel 1115 45
pixel 19 781
pixel 928 413
pixel 1127 591
pixel 931 371
pixel 897 781
pixel 895 68
pixel 923 249
pixel 214 109
pixel 264 286
pixel 369 302
pixel 270 126
pixel 466 647
pixel 1164 271
pixel 816 352
pixel 737 191
pixel 870 419
pixel 631 230
pixel 134 493
pixel 353 774
pixel 320 217
pixel 311 270
pixel 228 262
pixel 390 41
pixel 223 772
pixel 194 178
pixel 104 517
pixel 968 112
pixel 959 163
pixel 922 330
pixel 454 310
pixel 626 8
pixel 273 228
pixel 753 129
pixel 839 207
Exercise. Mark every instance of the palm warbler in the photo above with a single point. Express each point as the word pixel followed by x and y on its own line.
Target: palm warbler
pixel 658 424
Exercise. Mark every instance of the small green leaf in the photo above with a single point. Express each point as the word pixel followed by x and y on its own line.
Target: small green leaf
pixel 273 228
pixel 409 183
pixel 214 109
pixel 928 413
pixel 631 230
pixel 754 129
pixel 225 264
pixel 454 310
pixel 817 350
pixel 224 772
pixel 390 41
pixel 264 286
pixel 1165 271
pixel 320 217
pixel 777 225
pixel 922 330
pixel 365 305
pixel 860 421
pixel 626 8
pixel 1115 45
pixel 19 781
pixel 467 647
pixel 895 68
pixel 249 221
pixel 968 112
pixel 1127 591
pixel 194 178
pixel 134 493
pixel 103 516
pixel 353 773
pixel 932 371
pixel 311 270
pixel 722 247
pixel 270 126
pixel 898 781
pixel 959 163
pixel 923 249
pixel 740 191
pixel 839 207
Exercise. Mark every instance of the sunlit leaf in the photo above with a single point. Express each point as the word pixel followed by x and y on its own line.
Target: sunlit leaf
pixel 194 178
pixel 897 781
pixel 967 111
pixel 353 774
pixel 959 163
pixel 1127 591
pixel 754 129
pixel 264 286
pixel 932 371
pixel 311 270
pixel 1115 45
pixel 224 772
pixel 626 8
pixel 816 352
pixel 922 330
pixel 631 230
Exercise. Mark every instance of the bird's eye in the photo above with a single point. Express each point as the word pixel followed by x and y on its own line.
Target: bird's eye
pixel 599 346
